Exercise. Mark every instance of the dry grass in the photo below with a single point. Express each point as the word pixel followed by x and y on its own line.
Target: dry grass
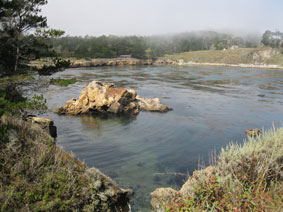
pixel 36 175
pixel 236 56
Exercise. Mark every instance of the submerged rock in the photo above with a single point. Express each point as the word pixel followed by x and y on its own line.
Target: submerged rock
pixel 152 105
pixel 103 97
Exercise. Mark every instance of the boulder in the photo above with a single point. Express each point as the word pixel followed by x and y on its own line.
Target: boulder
pixel 103 97
pixel 253 132
pixel 43 123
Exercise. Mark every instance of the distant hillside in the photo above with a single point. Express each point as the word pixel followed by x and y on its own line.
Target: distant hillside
pixel 257 56
pixel 149 47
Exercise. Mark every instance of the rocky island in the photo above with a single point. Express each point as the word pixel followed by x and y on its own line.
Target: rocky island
pixel 103 97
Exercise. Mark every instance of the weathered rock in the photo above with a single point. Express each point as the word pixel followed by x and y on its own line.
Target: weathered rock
pixel 103 97
pixel 109 192
pixel 164 61
pixel 188 186
pixel 109 62
pixel 162 196
pixel 253 132
pixel 43 123
pixel 152 105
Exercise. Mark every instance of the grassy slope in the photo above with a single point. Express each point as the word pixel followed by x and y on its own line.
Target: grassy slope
pixel 36 175
pixel 237 56
pixel 246 177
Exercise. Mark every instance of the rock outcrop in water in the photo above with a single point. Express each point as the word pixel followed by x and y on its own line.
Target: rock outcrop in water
pixel 110 62
pixel 100 97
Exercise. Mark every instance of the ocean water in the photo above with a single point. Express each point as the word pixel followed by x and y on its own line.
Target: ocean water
pixel 212 106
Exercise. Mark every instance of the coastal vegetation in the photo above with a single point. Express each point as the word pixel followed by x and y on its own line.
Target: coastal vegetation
pixel 245 177
pixel 37 175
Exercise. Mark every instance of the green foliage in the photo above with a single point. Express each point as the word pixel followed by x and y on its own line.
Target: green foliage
pixel 58 65
pixel 272 39
pixel 247 177
pixel 18 45
pixel 63 82
pixel 9 107
pixel 19 17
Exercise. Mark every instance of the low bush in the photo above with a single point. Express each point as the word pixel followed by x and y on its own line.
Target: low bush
pixel 247 177
pixel 11 107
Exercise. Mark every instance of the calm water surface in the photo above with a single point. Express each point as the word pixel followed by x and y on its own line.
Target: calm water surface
pixel 211 107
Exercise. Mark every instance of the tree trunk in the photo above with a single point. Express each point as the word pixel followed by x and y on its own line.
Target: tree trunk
pixel 17 56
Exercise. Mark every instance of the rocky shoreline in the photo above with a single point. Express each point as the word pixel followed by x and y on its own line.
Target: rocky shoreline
pixel 109 62
pixel 74 186
pixel 264 66
pixel 161 197
pixel 38 175
pixel 159 61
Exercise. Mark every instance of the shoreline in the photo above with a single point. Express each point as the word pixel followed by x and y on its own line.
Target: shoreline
pixel 159 61
pixel 262 66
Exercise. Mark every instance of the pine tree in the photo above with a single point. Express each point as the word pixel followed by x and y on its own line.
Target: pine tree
pixel 17 19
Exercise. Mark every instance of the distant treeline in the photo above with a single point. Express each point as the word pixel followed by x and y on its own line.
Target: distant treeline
pixel 272 39
pixel 147 46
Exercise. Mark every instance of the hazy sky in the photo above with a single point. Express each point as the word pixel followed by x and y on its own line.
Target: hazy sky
pixel 147 17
